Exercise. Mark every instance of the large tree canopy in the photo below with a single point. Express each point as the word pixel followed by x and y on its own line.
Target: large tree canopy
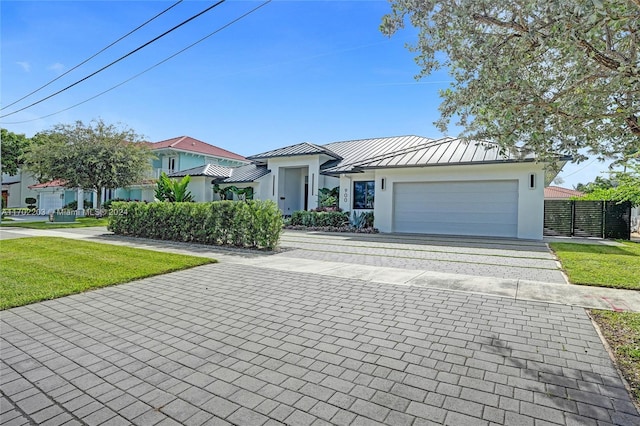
pixel 12 146
pixel 95 156
pixel 553 76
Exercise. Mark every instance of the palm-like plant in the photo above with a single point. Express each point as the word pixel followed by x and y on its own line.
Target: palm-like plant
pixel 172 190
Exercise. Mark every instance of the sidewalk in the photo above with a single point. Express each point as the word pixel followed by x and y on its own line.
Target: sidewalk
pixel 517 289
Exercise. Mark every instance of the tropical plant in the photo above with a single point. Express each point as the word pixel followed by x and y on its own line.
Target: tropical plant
pixel 362 220
pixel 173 191
pixel 328 197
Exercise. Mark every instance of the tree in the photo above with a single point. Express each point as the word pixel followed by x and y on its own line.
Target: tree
pixel 96 156
pixel 12 147
pixel 620 187
pixel 172 190
pixel 550 76
pixel 598 183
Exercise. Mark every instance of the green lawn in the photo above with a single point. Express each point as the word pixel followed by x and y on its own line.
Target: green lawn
pixel 599 265
pixel 622 331
pixel 81 222
pixel 41 268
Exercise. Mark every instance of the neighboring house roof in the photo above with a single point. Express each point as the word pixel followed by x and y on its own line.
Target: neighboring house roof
pixel 556 192
pixel 50 184
pixel 248 173
pixel 187 143
pixel 304 148
pixel 210 170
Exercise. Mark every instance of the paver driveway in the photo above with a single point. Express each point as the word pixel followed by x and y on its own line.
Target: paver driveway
pixel 234 344
pixel 476 256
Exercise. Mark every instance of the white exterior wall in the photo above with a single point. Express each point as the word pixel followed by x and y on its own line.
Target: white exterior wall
pixel 279 166
pixel 346 190
pixel 530 201
pixel 18 189
pixel 201 188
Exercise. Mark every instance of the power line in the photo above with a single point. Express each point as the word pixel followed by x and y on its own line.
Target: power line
pixel 94 55
pixel 117 60
pixel 150 68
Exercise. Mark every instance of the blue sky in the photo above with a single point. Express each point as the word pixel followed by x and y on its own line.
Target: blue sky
pixel 294 71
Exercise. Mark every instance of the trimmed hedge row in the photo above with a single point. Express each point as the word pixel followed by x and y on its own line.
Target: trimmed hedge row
pixel 255 224
pixel 319 219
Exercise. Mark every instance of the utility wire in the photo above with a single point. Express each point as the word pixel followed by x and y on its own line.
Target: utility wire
pixel 117 60
pixel 94 55
pixel 150 68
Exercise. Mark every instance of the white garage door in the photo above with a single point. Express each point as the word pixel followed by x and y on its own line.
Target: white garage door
pixel 487 208
pixel 50 202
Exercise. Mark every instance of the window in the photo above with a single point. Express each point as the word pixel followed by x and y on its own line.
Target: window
pixel 172 165
pixel 363 194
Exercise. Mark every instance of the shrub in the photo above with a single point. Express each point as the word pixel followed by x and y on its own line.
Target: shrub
pixel 319 219
pixel 73 205
pixel 31 202
pixel 362 220
pixel 254 224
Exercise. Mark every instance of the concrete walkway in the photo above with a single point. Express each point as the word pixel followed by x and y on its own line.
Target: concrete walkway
pixel 398 267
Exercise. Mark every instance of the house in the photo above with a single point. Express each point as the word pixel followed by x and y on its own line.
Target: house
pixel 558 193
pixel 172 155
pixel 412 184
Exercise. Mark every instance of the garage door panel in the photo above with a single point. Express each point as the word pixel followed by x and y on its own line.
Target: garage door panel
pixel 459 208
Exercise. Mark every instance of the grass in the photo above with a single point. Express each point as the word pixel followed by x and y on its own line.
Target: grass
pixel 600 265
pixel 622 331
pixel 81 222
pixel 42 268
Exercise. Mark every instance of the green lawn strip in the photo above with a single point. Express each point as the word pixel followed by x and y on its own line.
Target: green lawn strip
pixel 42 268
pixel 424 259
pixel 82 222
pixel 601 265
pixel 412 249
pixel 622 332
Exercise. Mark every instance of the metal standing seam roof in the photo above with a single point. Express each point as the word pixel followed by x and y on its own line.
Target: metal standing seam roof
pixel 248 173
pixel 304 148
pixel 210 170
pixel 446 151
pixel 359 151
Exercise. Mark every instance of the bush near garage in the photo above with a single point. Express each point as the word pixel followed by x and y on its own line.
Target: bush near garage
pixel 319 219
pixel 251 224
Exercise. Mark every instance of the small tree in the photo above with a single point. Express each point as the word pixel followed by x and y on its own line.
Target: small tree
pixel 96 156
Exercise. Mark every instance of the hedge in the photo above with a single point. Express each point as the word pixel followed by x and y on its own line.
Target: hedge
pixel 319 219
pixel 254 224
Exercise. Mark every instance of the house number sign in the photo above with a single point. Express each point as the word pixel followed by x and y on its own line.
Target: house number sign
pixel 346 195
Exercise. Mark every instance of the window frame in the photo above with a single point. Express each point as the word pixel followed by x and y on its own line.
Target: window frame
pixel 367 187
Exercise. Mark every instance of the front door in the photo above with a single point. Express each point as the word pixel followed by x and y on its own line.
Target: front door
pixel 306 196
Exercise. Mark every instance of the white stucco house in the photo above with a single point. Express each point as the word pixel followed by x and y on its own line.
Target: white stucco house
pixel 412 184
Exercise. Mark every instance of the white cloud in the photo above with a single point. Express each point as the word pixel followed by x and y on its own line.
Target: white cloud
pixel 57 67
pixel 26 66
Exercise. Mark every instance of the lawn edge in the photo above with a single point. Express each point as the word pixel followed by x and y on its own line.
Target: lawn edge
pixel 614 359
pixel 210 261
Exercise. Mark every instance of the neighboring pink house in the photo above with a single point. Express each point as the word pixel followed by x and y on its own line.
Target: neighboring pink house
pixel 558 193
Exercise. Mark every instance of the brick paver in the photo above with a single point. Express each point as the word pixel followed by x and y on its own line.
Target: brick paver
pixel 231 344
